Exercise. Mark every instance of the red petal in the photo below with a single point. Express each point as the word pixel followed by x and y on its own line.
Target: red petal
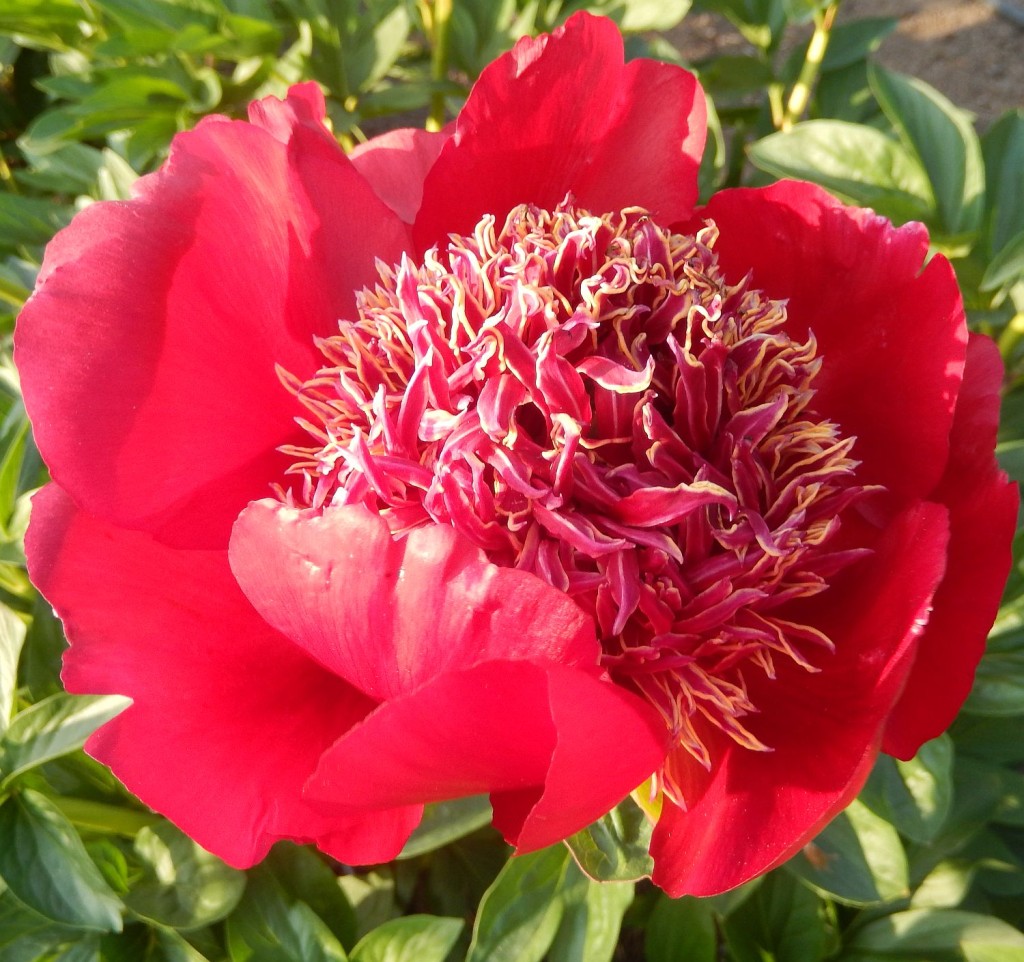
pixel 892 335
pixel 571 744
pixel 148 351
pixel 396 164
pixel 755 809
pixel 229 718
pixel 983 514
pixel 390 615
pixel 564 113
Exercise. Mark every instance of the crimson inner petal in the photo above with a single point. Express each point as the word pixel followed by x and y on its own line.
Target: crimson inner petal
pixel 587 398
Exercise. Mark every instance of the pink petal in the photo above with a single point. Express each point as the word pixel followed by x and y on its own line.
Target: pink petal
pixel 983 514
pixel 881 320
pixel 389 616
pixel 229 718
pixel 564 113
pixel 148 351
pixel 755 809
pixel 396 164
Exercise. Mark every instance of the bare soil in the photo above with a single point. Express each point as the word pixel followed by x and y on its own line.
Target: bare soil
pixel 964 48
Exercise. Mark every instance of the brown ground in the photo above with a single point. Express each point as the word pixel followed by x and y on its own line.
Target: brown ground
pixel 962 47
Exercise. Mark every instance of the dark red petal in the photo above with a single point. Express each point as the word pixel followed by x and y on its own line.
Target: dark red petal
pixel 391 615
pixel 229 718
pixel 892 335
pixel 755 809
pixel 148 351
pixel 397 163
pixel 982 514
pixel 554 734
pixel 564 113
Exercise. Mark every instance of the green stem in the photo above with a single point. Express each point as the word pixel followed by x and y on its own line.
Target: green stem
pixel 441 23
pixel 801 92
pixel 101 817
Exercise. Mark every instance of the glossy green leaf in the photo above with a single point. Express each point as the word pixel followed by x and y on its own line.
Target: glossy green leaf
pixel 640 16
pixel 858 859
pixel 182 885
pixel 304 876
pixel 681 930
pixel 269 926
pixel 999 680
pixel 53 727
pixel 520 913
pixel 914 796
pixel 12 637
pixel 615 847
pixel 413 938
pixel 853 41
pixel 943 140
pixel 45 865
pixel 926 933
pixel 29 220
pixel 859 164
pixel 1003 149
pixel 589 930
pixel 174 948
pixel 945 886
pixel 444 822
pixel 1007 267
pixel 782 921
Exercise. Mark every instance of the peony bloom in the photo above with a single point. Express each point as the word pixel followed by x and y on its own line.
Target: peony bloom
pixel 481 461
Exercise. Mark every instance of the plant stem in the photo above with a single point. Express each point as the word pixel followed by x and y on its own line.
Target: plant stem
pixel 441 23
pixel 801 92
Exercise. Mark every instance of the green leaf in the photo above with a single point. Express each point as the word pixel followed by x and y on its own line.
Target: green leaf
pixel 182 886
pixel 1003 150
pixel 175 949
pixel 12 637
pixel 943 140
pixel 29 220
pixel 45 865
pixel 520 913
pixel 444 822
pixel 913 796
pixel 850 43
pixel 858 163
pixel 413 938
pixel 923 933
pixel 999 681
pixel 945 886
pixel 615 848
pixel 681 930
pixel 858 859
pixel 268 926
pixel 782 921
pixel 303 874
pixel 641 16
pixel 1007 267
pixel 589 930
pixel 53 727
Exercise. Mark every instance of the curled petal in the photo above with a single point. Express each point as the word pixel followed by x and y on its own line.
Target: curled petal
pixel 563 113
pixel 389 615
pixel 226 263
pixel 228 719
pixel 541 739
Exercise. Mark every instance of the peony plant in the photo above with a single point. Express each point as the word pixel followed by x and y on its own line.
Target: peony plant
pixel 485 461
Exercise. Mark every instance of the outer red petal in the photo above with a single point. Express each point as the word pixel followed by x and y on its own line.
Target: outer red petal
pixel 571 743
pixel 564 113
pixel 983 514
pixel 397 163
pixel 148 351
pixel 755 809
pixel 892 335
pixel 229 718
pixel 390 615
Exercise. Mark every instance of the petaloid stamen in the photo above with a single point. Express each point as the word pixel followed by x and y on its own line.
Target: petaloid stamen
pixel 588 398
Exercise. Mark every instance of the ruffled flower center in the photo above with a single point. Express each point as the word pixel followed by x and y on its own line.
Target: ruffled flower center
pixel 589 399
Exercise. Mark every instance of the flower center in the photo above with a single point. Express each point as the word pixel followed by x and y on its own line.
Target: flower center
pixel 587 398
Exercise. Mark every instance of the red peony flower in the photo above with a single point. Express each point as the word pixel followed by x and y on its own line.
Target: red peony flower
pixel 481 461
